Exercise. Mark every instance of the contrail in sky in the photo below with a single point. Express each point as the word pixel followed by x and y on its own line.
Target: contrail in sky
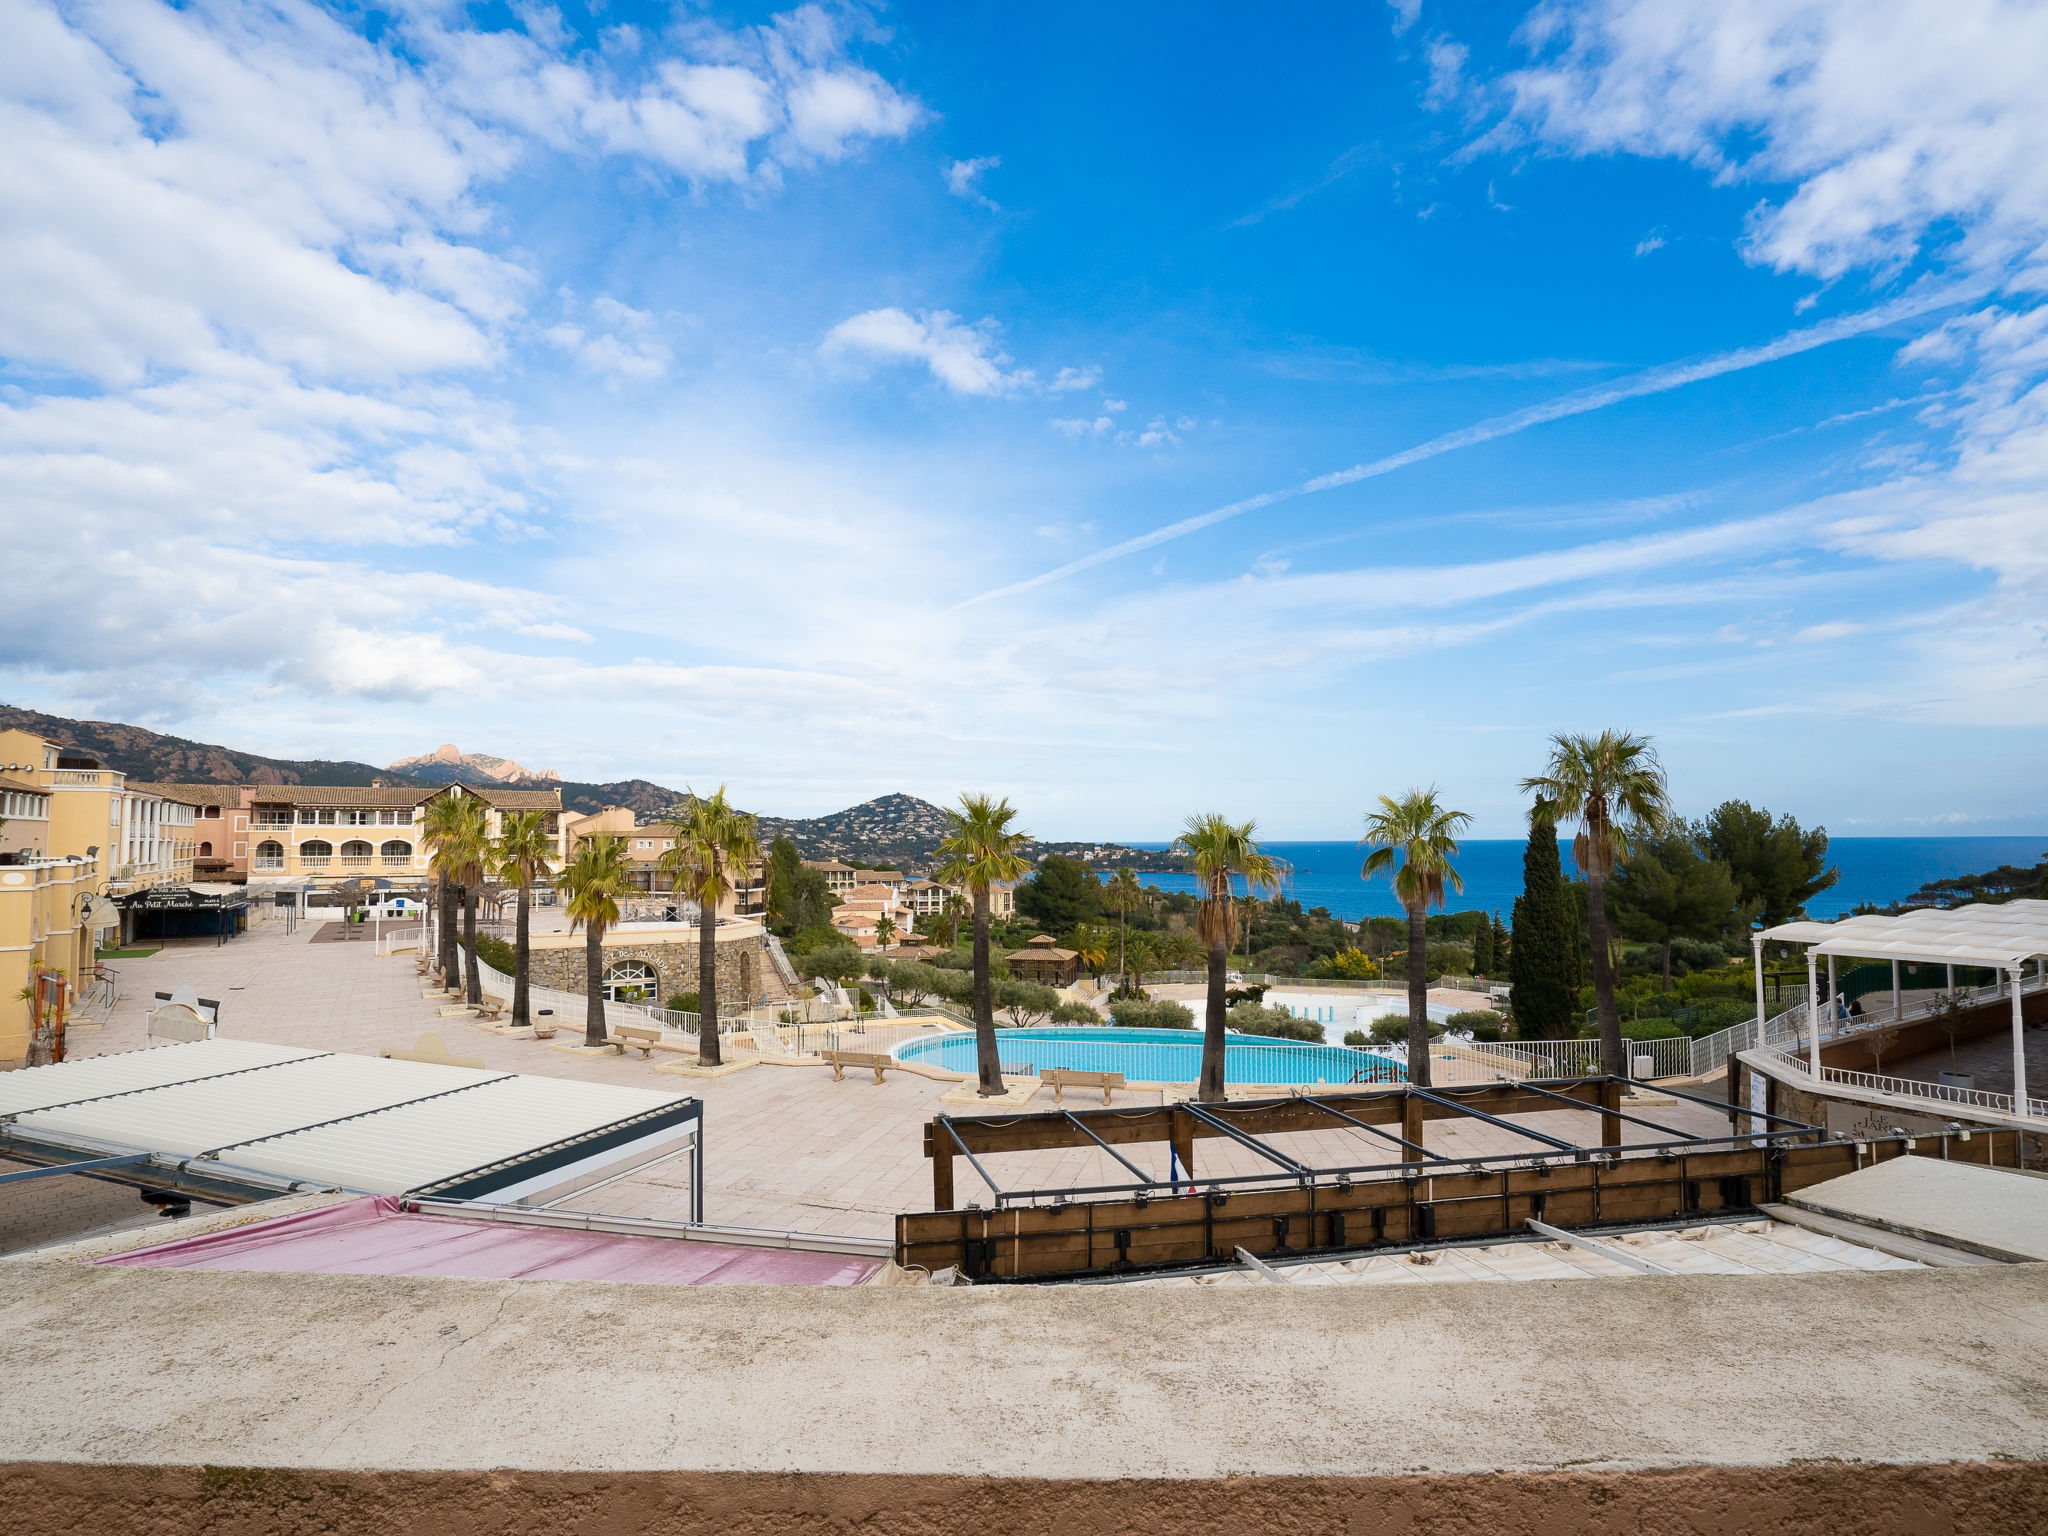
pixel 1651 382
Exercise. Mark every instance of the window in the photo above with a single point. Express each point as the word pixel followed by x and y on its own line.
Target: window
pixel 316 849
pixel 206 850
pixel 355 848
pixel 270 855
pixel 210 813
pixel 630 981
pixel 359 818
pixel 273 816
pixel 397 851
pixel 393 818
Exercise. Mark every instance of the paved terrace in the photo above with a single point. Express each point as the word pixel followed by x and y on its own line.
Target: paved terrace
pixel 786 1147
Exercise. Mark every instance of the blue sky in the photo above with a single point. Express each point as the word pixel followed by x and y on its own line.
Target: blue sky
pixel 1135 410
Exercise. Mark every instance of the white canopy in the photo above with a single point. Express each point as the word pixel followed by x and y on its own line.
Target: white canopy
pixel 2006 935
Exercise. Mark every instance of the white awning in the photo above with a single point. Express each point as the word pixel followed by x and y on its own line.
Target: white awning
pixel 2006 935
pixel 353 1122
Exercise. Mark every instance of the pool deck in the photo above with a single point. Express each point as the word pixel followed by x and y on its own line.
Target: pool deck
pixel 786 1146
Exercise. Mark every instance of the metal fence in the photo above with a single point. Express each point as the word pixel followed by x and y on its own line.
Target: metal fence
pixel 1934 1095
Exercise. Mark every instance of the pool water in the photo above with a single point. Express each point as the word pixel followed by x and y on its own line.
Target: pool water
pixel 1160 1055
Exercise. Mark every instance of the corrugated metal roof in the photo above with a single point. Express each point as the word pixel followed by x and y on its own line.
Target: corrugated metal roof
pixel 395 1150
pixel 70 1082
pixel 219 1112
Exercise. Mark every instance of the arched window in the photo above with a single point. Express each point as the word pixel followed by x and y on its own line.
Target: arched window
pixel 397 853
pixel 270 855
pixel 316 850
pixel 630 981
pixel 206 850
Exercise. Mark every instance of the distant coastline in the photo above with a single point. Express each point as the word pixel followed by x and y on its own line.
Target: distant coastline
pixel 1874 869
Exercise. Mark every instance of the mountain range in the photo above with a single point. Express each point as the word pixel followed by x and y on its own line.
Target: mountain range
pixel 897 829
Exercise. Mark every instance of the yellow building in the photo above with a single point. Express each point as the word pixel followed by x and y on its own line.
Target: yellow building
pixel 46 911
pixel 132 838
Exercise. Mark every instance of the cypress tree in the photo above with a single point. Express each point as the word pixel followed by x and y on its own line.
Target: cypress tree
pixel 1482 948
pixel 1500 943
pixel 1540 954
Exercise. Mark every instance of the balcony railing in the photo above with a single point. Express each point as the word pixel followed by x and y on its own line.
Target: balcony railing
pixel 398 861
pixel 263 864
pixel 315 860
pixel 353 861
pixel 78 776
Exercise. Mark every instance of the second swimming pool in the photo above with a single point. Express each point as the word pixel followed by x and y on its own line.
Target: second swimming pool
pixel 1161 1055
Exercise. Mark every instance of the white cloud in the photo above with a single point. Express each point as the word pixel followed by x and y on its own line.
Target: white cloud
pixel 1406 13
pixel 1074 378
pixel 1653 241
pixel 963 178
pixel 1898 124
pixel 967 359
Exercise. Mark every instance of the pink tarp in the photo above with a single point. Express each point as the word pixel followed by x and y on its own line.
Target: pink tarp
pixel 376 1236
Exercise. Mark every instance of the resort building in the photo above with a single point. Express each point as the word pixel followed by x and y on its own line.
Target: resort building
pixel 646 845
pixel 861 910
pixel 839 878
pixel 323 835
pixel 47 921
pixel 220 826
pixel 134 838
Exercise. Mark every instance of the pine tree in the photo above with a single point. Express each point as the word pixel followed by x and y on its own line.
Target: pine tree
pixel 1500 943
pixel 1541 961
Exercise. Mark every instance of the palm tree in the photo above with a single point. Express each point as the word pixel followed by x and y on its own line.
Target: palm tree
pixel 1424 837
pixel 467 849
pixel 712 838
pixel 885 930
pixel 1217 850
pixel 954 908
pixel 591 884
pixel 522 856
pixel 1091 948
pixel 1614 787
pixel 446 819
pixel 1183 949
pixel 981 850
pixel 1120 893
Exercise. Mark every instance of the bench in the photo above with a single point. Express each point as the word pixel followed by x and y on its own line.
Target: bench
pixel 839 1061
pixel 1063 1078
pixel 433 1050
pixel 490 1010
pixel 644 1037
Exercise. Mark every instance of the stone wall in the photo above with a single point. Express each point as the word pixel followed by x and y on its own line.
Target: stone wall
pixel 674 961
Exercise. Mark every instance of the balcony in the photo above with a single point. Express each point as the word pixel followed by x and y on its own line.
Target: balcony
pixel 85 777
pixel 273 865
pixel 397 861
pixel 315 860
pixel 352 861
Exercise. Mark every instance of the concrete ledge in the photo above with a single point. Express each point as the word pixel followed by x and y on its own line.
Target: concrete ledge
pixel 1966 1499
pixel 691 1069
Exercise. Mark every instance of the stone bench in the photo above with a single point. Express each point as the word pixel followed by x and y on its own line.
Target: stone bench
pixel 839 1061
pixel 1063 1078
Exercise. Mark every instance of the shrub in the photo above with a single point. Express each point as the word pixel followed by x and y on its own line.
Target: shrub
pixel 1167 1014
pixel 818 936
pixel 683 1002
pixel 1256 1019
pixel 496 953
pixel 840 962
pixel 1075 1013
pixel 1352 964
pixel 1649 1029
pixel 1028 1002
pixel 1392 1029
pixel 1357 1037
pixel 1479 1023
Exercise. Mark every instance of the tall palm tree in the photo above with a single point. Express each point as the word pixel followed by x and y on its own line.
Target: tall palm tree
pixel 1120 893
pixel 1218 850
pixel 1613 786
pixel 712 838
pixel 445 823
pixel 591 884
pixel 1091 948
pixel 885 930
pixel 469 851
pixel 981 850
pixel 1423 837
pixel 1183 949
pixel 954 909
pixel 522 856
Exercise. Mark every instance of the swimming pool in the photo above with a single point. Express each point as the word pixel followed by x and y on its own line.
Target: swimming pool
pixel 1159 1055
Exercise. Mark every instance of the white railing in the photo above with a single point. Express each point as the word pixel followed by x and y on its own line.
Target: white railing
pixel 1669 1057
pixel 400 939
pixel 1789 1027
pixel 1933 1094
pixel 781 963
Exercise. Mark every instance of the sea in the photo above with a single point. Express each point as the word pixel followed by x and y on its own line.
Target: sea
pixel 1874 869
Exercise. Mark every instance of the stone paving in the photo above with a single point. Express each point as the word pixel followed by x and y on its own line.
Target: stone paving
pixel 786 1147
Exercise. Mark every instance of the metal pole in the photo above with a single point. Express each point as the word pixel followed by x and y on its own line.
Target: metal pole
pixel 1757 943
pixel 1813 1014
pixel 2019 1050
pixel 1898 1005
pixel 1834 993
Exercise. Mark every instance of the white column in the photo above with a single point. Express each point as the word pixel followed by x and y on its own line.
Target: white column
pixel 1813 1014
pixel 1757 944
pixel 2019 1048
pixel 1898 1008
pixel 1834 994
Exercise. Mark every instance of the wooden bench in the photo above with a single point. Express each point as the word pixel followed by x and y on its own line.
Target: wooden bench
pixel 644 1037
pixel 490 1010
pixel 1063 1078
pixel 839 1061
